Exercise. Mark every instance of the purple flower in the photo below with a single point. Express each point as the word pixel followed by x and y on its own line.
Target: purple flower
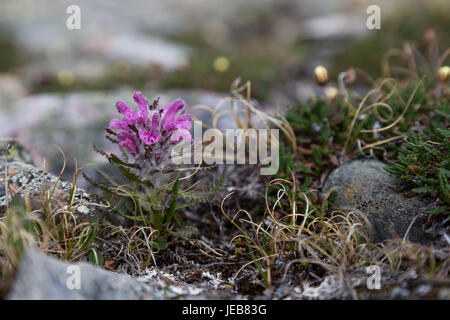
pixel 155 126
pixel 183 122
pixel 180 126
pixel 170 112
pixel 118 124
pixel 128 141
pixel 181 134
pixel 129 116
pixel 152 136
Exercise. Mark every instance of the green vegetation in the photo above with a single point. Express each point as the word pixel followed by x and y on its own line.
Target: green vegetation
pixel 423 164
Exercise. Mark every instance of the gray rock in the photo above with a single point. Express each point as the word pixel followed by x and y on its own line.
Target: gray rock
pixel 11 89
pixel 363 185
pixel 13 149
pixel 43 277
pixel 28 179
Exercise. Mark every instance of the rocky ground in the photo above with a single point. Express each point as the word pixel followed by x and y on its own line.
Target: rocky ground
pixel 205 268
pixel 58 89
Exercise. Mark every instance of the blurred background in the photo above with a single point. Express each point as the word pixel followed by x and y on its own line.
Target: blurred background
pixel 59 86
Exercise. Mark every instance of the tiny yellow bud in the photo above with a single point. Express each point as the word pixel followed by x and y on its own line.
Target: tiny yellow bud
pixel 321 75
pixel 443 73
pixel 331 93
pixel 221 64
pixel 66 78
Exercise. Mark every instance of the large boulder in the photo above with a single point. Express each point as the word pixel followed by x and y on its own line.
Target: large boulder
pixel 363 186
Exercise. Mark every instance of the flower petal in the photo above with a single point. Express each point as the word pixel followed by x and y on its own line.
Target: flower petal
pixel 128 114
pixel 142 107
pixel 122 107
pixel 118 124
pixel 148 138
pixel 183 122
pixel 130 117
pixel 155 124
pixel 128 141
pixel 164 109
pixel 181 134
pixel 168 123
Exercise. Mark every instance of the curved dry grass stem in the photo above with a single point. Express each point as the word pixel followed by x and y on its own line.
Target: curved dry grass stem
pixel 372 145
pixel 443 57
pixel 410 70
pixel 240 97
pixel 146 242
pixel 380 99
pixel 408 104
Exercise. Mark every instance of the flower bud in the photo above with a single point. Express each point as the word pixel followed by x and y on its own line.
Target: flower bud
pixel 443 73
pixel 331 93
pixel 430 35
pixel 321 75
pixel 350 76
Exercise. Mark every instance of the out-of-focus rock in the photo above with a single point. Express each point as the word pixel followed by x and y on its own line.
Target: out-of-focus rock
pixel 13 149
pixel 11 89
pixel 42 277
pixel 30 181
pixel 363 185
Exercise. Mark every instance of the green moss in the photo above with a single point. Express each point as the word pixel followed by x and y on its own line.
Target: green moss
pixel 423 166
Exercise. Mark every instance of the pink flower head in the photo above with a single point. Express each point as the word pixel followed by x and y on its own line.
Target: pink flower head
pixel 149 133
pixel 152 136
pixel 182 127
pixel 128 141
pixel 183 122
